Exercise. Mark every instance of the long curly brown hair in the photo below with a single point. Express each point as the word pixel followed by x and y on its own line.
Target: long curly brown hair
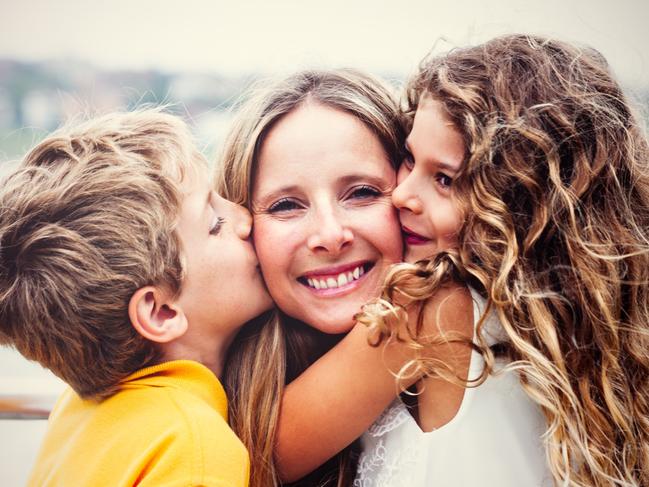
pixel 555 197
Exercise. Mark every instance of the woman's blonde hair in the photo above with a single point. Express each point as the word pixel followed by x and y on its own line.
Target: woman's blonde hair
pixel 555 196
pixel 272 352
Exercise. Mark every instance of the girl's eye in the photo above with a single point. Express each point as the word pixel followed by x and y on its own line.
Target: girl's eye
pixel 364 192
pixel 285 204
pixel 408 160
pixel 215 228
pixel 444 180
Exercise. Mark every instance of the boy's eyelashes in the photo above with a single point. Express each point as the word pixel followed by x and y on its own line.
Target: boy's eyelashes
pixel 216 225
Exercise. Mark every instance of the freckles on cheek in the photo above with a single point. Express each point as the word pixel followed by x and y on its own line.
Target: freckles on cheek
pixel 270 245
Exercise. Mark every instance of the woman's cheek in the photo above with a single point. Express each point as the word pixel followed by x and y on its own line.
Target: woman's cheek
pixel 275 247
pixel 388 228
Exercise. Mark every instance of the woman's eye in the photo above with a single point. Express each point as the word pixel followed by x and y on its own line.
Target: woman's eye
pixel 215 228
pixel 364 192
pixel 285 204
pixel 444 180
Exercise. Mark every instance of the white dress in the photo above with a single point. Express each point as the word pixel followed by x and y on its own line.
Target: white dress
pixel 494 439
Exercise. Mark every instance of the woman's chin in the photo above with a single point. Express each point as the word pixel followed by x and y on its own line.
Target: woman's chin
pixel 331 326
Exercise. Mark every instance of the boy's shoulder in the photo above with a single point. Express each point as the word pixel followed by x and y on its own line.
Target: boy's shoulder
pixel 170 424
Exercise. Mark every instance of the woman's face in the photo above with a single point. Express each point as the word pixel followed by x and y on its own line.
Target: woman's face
pixel 323 224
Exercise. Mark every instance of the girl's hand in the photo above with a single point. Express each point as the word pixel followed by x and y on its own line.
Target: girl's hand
pixel 336 399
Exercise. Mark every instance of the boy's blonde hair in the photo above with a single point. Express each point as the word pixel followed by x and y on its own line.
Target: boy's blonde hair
pixel 86 219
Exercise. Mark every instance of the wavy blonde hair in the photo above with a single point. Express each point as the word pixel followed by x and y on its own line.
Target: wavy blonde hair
pixel 555 197
pixel 273 351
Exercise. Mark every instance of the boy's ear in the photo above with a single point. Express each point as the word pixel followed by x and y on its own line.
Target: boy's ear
pixel 155 316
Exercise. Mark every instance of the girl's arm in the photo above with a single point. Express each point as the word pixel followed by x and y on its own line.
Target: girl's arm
pixel 336 399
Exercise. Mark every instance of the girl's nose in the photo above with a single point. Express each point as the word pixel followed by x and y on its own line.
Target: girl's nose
pixel 405 196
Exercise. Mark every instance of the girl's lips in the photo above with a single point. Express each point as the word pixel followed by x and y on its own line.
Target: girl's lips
pixel 412 238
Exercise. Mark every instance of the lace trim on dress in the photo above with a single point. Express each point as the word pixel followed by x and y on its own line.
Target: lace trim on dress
pixel 394 416
pixel 376 468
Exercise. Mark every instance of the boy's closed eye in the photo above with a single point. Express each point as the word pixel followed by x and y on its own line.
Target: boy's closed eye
pixel 216 224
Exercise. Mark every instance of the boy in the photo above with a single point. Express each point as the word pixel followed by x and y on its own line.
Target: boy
pixel 124 274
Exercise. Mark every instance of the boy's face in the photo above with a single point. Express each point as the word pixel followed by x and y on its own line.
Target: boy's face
pixel 222 287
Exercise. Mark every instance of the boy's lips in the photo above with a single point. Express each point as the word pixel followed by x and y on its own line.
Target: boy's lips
pixel 336 279
pixel 413 238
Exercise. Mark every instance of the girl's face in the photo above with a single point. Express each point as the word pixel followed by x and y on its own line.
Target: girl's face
pixel 430 219
pixel 324 227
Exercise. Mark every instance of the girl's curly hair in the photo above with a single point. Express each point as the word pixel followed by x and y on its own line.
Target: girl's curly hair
pixel 554 193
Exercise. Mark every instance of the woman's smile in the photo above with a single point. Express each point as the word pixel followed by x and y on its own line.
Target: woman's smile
pixel 334 281
pixel 324 226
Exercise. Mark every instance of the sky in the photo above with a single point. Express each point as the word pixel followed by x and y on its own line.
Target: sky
pixel 279 36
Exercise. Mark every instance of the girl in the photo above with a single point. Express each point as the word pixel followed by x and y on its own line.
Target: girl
pixel 528 181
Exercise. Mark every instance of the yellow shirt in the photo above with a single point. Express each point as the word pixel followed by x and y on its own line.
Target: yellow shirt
pixel 167 426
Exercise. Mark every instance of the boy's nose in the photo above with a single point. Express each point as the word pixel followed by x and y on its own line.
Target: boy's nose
pixel 241 221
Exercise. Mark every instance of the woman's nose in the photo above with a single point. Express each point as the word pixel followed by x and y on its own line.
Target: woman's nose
pixel 330 233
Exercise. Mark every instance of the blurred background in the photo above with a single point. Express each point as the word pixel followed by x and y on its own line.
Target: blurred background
pixel 62 59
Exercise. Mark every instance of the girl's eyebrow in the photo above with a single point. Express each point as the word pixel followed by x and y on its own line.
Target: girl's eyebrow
pixel 439 164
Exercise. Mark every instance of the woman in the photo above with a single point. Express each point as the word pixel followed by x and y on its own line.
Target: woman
pixel 314 158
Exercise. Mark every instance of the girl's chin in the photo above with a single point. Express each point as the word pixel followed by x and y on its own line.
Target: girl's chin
pixel 412 257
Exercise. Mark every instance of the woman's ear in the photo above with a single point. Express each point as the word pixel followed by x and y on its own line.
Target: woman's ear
pixel 155 316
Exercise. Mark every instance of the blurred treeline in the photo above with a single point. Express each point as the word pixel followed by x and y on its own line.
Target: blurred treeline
pixel 35 98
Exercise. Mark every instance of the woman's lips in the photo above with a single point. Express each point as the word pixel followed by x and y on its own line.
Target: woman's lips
pixel 413 238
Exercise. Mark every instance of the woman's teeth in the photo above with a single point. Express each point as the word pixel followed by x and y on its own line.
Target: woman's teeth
pixel 336 281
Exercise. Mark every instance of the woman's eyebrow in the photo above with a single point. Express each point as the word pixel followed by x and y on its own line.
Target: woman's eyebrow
pixel 277 192
pixel 368 178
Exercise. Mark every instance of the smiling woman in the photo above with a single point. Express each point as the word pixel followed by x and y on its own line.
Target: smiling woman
pixel 314 157
pixel 324 228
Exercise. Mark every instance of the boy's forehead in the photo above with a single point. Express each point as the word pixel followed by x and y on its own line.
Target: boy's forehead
pixel 193 176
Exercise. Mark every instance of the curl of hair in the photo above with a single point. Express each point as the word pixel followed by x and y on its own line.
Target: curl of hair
pixel 555 195
pixel 410 287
